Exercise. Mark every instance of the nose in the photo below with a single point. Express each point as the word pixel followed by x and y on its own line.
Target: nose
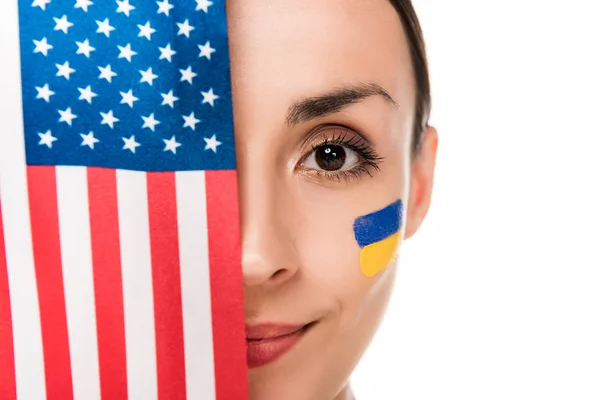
pixel 269 256
pixel 263 261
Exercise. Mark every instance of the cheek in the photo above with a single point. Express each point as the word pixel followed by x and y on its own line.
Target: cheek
pixel 344 256
pixel 330 254
pixel 334 276
pixel 378 235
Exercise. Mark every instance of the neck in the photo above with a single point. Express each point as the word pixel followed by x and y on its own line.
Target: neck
pixel 345 394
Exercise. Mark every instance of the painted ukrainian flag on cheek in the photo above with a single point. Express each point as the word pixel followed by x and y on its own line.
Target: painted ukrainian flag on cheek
pixel 378 235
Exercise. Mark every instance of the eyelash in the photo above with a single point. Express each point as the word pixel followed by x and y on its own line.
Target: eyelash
pixel 370 158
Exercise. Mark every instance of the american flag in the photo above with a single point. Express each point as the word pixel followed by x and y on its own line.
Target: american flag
pixel 120 269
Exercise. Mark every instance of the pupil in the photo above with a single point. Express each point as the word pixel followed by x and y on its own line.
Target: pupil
pixel 330 157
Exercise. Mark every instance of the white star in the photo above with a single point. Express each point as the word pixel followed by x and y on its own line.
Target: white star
pixel 190 121
pixel 126 52
pixel 171 145
pixel 64 70
pixel 166 52
pixel 130 144
pixel 107 73
pixel 209 97
pixel 203 5
pixel 87 94
pixel 128 98
pixel 164 7
pixel 146 31
pixel 47 139
pixel 83 4
pixel 187 75
pixel 206 50
pixel 44 93
pixel 150 122
pixel 124 7
pixel 88 140
pixel 148 76
pixel 67 116
pixel 42 46
pixel 185 28
pixel 41 4
pixel 104 27
pixel 62 24
pixel 169 99
pixel 109 119
pixel 84 48
pixel 212 143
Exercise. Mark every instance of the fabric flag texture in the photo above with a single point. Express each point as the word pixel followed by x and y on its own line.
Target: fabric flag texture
pixel 120 268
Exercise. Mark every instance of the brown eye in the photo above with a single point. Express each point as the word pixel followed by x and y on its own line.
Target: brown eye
pixel 331 157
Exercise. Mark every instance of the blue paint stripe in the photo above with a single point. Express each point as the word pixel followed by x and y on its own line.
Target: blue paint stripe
pixel 375 227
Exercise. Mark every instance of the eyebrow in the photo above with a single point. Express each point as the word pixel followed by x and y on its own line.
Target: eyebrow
pixel 334 101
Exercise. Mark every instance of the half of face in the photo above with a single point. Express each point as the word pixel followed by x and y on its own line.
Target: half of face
pixel 323 102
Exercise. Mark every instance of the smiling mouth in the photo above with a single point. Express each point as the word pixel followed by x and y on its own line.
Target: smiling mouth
pixel 266 343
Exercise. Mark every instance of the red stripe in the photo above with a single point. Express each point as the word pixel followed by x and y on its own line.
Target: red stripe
pixel 226 285
pixel 166 279
pixel 8 386
pixel 43 205
pixel 108 283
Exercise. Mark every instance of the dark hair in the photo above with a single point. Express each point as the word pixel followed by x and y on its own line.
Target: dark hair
pixel 416 44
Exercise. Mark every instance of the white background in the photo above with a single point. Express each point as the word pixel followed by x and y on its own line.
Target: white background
pixel 498 295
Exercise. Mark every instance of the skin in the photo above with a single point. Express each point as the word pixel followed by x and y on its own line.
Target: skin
pixel 300 258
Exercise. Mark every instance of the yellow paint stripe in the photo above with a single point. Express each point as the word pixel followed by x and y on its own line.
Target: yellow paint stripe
pixel 376 257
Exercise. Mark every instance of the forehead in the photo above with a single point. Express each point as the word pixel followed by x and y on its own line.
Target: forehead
pixel 284 50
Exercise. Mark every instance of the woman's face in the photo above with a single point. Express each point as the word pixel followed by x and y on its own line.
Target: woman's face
pixel 324 103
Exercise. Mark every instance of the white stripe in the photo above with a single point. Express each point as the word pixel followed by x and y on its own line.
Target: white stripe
pixel 138 299
pixel 195 285
pixel 78 278
pixel 27 333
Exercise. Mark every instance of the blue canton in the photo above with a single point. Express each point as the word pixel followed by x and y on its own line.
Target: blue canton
pixel 128 84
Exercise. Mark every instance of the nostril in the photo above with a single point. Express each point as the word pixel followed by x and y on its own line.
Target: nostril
pixel 279 275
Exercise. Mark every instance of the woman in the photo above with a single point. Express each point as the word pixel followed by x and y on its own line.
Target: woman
pixel 336 161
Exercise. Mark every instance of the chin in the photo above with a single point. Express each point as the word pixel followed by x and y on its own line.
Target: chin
pixel 294 387
pixel 317 369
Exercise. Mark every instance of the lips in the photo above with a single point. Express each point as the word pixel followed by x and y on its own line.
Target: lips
pixel 267 342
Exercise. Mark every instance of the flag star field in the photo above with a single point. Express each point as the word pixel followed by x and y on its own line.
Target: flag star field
pixel 126 84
